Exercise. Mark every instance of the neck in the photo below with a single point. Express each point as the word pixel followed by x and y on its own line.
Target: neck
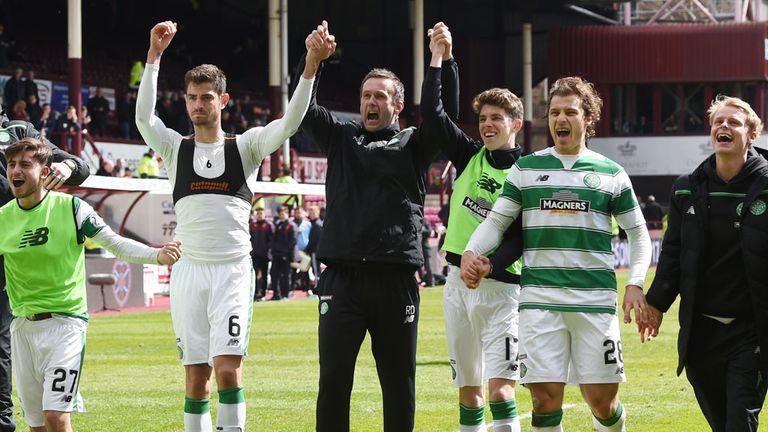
pixel 727 167
pixel 571 151
pixel 209 134
pixel 32 200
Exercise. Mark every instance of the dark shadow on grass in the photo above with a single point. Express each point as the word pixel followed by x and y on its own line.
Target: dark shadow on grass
pixel 433 363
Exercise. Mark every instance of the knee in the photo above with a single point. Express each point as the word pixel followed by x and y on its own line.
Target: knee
pixel 501 389
pixel 56 420
pixel 545 401
pixel 471 396
pixel 603 406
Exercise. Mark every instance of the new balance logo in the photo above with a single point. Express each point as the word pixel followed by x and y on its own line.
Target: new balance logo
pixel 34 238
pixel 233 343
pixel 410 314
pixel 487 183
pixel 542 178
pixel 691 211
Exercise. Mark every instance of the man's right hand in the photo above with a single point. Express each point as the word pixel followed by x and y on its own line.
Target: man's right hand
pixel 440 42
pixel 320 45
pixel 159 38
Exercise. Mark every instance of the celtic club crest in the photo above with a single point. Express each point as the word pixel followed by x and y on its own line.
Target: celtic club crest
pixel 592 180
pixel 122 288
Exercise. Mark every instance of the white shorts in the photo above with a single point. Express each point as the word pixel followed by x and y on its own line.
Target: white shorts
pixel 551 341
pixel 46 358
pixel 481 329
pixel 211 306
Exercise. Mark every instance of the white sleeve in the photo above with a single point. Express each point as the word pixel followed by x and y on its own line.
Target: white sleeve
pixel 125 248
pixel 263 141
pixel 157 136
pixel 489 234
pixel 90 224
pixel 639 254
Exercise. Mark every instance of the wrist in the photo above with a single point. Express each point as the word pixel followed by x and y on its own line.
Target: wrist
pixel 70 163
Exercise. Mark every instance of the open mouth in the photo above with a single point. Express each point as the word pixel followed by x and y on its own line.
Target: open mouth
pixel 722 137
pixel 372 116
pixel 18 183
pixel 489 134
pixel 562 133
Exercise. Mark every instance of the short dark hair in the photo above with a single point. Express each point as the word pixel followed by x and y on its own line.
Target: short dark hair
pixel 386 74
pixel 591 103
pixel 41 151
pixel 207 73
pixel 502 98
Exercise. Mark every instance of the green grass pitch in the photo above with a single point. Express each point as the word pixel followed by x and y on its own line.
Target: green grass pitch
pixel 133 381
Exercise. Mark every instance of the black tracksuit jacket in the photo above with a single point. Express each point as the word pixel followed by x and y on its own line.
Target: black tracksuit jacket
pixel 685 241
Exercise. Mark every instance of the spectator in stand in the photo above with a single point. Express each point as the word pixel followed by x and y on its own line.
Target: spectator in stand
pixel 643 127
pixel 99 109
pixel 289 201
pixel 262 232
pixel 315 234
pixel 226 123
pixel 126 112
pixel 5 46
pixel 34 110
pixel 19 111
pixel 247 107
pixel 46 121
pixel 303 227
pixel 166 112
pixel 86 119
pixel 137 71
pixel 653 213
pixel 128 172
pixel 14 89
pixel 66 126
pixel 120 166
pixel 149 166
pixel 283 243
pixel 30 86
pixel 106 168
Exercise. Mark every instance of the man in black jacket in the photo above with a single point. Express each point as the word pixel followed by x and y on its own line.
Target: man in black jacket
pixel 261 238
pixel 282 248
pixel 371 245
pixel 714 257
pixel 66 169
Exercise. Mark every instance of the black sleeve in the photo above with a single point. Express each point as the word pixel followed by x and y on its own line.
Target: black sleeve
pixel 666 284
pixel 438 130
pixel 509 251
pixel 318 122
pixel 5 193
pixel 450 79
pixel 81 171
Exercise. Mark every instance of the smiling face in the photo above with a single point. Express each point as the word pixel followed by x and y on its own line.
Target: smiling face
pixel 378 105
pixel 497 128
pixel 204 105
pixel 26 174
pixel 568 124
pixel 730 134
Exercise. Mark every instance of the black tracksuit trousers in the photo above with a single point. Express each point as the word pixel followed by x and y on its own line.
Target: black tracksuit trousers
pixel 385 303
pixel 6 403
pixel 722 366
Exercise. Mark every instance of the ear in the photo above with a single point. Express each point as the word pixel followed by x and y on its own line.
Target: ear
pixel 752 137
pixel 517 124
pixel 224 100
pixel 587 120
pixel 399 105
pixel 45 172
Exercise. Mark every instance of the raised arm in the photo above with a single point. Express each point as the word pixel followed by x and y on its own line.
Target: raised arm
pixel 320 44
pixel 152 129
pixel 318 121
pixel 438 127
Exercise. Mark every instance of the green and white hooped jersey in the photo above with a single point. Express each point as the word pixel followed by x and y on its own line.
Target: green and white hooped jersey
pixel 566 203
pixel 44 254
pixel 474 193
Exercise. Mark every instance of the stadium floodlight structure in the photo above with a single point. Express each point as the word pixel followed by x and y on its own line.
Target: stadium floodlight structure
pixel 670 11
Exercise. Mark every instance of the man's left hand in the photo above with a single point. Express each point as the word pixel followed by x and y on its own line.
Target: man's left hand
pixel 60 172
pixel 634 298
